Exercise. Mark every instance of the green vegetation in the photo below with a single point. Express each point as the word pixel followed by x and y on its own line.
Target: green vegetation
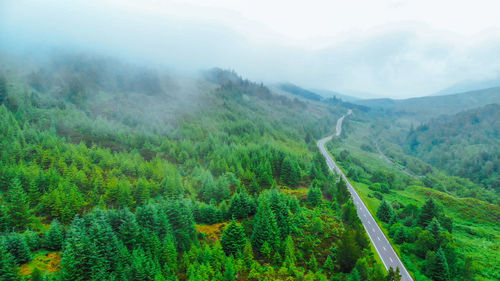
pixel 439 235
pixel 104 176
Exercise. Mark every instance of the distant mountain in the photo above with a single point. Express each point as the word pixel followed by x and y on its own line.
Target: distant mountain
pixel 329 94
pixel 301 92
pixel 468 86
pixel 424 108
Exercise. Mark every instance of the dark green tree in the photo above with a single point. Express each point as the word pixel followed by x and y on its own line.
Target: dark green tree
pixel 314 196
pixel 342 193
pixel 427 213
pixel 393 275
pixel 15 245
pixel 265 228
pixel 128 230
pixel 437 266
pixel 19 211
pixel 385 212
pixel 348 251
pixel 8 271
pixel 233 239
pixel 54 239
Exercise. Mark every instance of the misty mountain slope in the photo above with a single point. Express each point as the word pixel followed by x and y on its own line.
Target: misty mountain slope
pixel 159 178
pixel 468 86
pixel 427 107
pixel 466 144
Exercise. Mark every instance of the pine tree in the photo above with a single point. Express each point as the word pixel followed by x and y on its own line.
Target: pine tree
pixel 279 207
pixel 393 275
pixel 428 211
pixel 129 229
pixel 54 238
pixel 8 270
pixel 18 205
pixel 329 266
pixel 312 264
pixel 348 251
pixel 32 240
pixel 290 258
pixel 342 192
pixel 248 253
pixel 385 212
pixel 78 258
pixel 434 227
pixel 233 239
pixel 437 267
pixel 169 253
pixel 230 272
pixel 15 245
pixel 354 275
pixel 314 196
pixel 265 227
pixel 182 223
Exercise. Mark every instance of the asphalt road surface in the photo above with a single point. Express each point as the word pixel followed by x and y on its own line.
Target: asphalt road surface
pixel 381 243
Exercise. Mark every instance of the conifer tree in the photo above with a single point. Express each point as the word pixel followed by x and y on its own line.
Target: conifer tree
pixel 434 227
pixel 169 253
pixel 8 271
pixel 233 239
pixel 393 275
pixel 229 272
pixel 248 253
pixel 314 196
pixel 290 258
pixel 438 267
pixel 129 229
pixel 15 245
pixel 342 192
pixel 181 221
pixel 265 227
pixel 54 238
pixel 385 212
pixel 329 266
pixel 348 251
pixel 19 211
pixel 428 211
pixel 354 275
pixel 313 263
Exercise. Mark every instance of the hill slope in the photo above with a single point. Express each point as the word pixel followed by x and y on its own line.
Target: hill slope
pixel 466 144
pixel 424 108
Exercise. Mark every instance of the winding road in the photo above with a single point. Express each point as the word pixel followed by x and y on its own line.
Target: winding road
pixel 379 240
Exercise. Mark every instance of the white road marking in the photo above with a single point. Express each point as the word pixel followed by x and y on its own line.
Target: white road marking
pixel 369 222
pixel 384 248
pixel 391 259
pixel 378 238
pixel 373 229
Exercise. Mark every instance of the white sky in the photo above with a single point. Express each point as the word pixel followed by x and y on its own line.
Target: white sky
pixel 391 48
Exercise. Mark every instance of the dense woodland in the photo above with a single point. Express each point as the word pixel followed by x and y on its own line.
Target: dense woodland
pixel 102 178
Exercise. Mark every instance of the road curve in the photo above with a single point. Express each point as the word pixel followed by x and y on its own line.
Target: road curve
pixel 379 240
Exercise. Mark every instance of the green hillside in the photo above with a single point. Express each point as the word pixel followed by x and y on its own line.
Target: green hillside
pixel 210 177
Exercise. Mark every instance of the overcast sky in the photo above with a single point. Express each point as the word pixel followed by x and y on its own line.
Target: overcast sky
pixel 383 47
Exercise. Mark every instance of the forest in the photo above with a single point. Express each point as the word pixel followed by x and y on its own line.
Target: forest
pixel 231 190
